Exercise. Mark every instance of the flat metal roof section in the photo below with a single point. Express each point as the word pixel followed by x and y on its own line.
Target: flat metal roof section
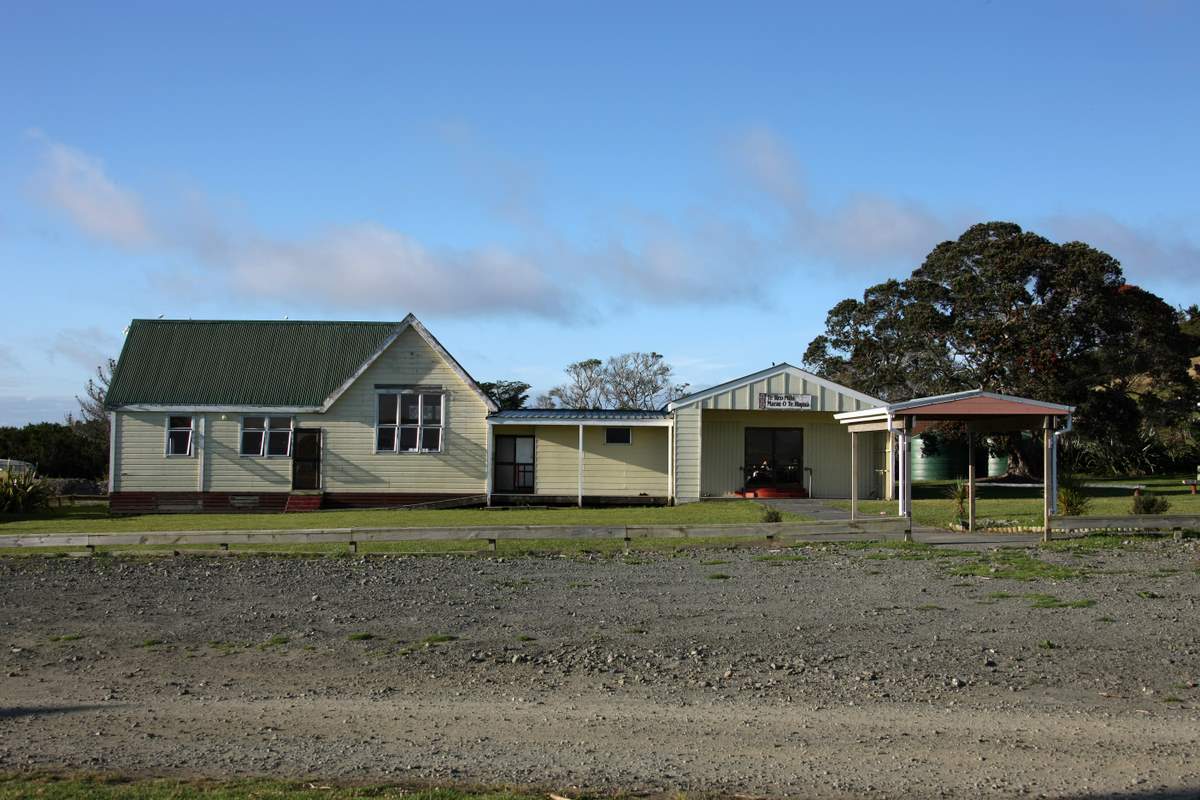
pixel 1005 412
pixel 576 416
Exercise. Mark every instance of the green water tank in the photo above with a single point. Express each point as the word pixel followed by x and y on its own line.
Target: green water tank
pixel 950 461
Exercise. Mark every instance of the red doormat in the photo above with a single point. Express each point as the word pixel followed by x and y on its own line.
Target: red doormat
pixel 767 492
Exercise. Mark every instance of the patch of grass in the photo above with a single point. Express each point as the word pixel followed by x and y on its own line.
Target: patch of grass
pixel 1046 644
pixel 361 636
pixel 905 551
pixel 524 638
pixel 438 638
pixel 1105 619
pixel 1172 699
pixel 930 607
pixel 1050 601
pixel 151 643
pixel 96 519
pixel 1001 595
pixel 67 637
pixel 1146 594
pixel 276 641
pixel 718 576
pixel 1016 565
pixel 1023 506
pixel 1095 542
pixel 22 786
pixel 781 558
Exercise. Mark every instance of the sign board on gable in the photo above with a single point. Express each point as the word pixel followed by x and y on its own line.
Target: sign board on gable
pixel 785 402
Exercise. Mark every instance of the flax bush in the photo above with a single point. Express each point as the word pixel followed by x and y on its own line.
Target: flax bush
pixel 22 492
pixel 1073 500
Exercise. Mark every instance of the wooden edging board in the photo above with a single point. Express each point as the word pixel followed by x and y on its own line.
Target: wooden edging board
pixel 353 536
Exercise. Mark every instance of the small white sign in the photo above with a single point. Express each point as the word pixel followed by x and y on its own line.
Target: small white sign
pixel 785 402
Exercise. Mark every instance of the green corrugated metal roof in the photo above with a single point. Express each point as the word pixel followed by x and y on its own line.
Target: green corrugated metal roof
pixel 241 363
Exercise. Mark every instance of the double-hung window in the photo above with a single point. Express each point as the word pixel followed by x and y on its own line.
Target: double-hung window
pixel 179 436
pixel 409 422
pixel 269 436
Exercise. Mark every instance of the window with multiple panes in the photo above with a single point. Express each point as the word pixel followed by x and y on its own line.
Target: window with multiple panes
pixel 618 435
pixel 179 436
pixel 409 422
pixel 269 436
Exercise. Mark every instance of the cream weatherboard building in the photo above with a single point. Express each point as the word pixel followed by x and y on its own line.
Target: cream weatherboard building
pixel 258 415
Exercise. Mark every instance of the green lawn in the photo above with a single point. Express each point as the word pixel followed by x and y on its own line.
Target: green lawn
pixel 1023 507
pixel 95 519
pixel 18 787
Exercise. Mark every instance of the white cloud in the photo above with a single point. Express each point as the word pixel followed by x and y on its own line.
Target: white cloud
pixel 369 265
pixel 86 347
pixel 77 185
pixel 865 230
pixel 1143 254
pixel 19 411
pixel 710 256
pixel 8 359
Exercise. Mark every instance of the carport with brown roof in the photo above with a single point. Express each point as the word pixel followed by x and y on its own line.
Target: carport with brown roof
pixel 981 413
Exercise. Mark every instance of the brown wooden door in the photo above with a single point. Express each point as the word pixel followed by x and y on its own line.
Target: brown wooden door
pixel 306 459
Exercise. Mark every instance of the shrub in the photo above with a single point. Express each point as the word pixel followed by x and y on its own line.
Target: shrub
pixel 1150 504
pixel 23 492
pixel 1073 501
pixel 78 486
pixel 959 492
pixel 771 514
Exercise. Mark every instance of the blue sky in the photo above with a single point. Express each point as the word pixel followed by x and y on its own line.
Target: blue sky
pixel 544 182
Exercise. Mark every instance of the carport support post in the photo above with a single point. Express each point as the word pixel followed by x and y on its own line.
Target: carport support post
pixel 908 429
pixel 1047 475
pixel 971 482
pixel 853 475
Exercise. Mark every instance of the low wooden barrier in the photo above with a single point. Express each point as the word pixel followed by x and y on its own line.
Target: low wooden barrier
pixel 352 537
pixel 1175 523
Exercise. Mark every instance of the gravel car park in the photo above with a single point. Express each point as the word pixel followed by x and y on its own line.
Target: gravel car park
pixel 825 670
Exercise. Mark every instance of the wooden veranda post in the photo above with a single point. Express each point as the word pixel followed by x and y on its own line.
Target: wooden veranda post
pixel 1047 479
pixel 581 465
pixel 971 482
pixel 853 475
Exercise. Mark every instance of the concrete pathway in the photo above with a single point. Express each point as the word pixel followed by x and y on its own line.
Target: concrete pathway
pixel 817 509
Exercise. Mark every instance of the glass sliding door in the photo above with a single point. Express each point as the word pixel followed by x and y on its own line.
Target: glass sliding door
pixel 774 457
pixel 513 467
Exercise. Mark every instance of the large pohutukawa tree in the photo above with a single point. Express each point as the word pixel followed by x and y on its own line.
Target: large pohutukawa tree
pixel 1009 311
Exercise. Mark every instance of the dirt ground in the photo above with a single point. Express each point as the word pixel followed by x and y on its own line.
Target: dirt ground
pixel 823 671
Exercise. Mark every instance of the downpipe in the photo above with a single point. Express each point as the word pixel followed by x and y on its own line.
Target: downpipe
pixel 1054 463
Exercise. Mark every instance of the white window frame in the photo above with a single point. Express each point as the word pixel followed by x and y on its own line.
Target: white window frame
pixel 168 430
pixel 420 426
pixel 264 446
pixel 607 443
